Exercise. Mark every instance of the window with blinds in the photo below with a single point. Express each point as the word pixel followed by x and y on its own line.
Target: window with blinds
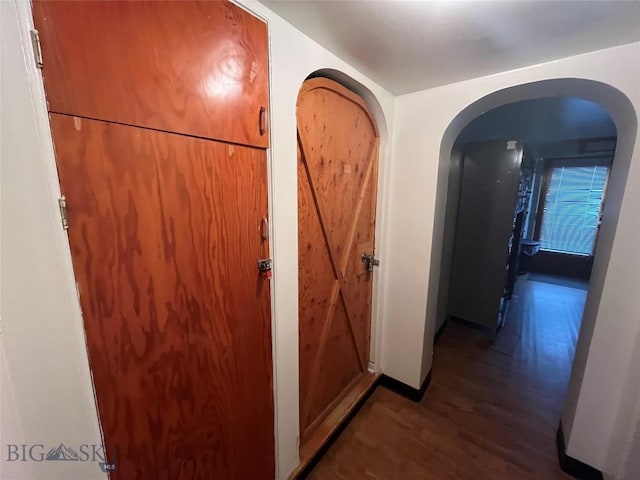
pixel 572 204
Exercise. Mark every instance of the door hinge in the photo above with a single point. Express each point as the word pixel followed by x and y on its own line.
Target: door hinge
pixel 37 51
pixel 62 203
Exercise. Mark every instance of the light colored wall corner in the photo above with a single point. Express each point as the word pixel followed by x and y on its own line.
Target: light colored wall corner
pixel 595 395
pixel 44 354
pixel 42 341
pixel 631 467
pixel 447 200
pixel 623 458
pixel 294 56
pixel 414 229
pixel 46 383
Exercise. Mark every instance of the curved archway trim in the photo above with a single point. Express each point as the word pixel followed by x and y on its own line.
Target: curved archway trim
pixel 621 110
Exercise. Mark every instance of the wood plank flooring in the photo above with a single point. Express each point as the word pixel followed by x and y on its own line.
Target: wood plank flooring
pixel 491 411
pixel 333 421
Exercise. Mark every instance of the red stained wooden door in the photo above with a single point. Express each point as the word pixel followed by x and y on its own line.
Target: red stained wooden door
pixel 337 178
pixel 205 62
pixel 165 232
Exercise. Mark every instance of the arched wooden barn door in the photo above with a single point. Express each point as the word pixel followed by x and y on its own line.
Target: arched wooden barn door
pixel 337 183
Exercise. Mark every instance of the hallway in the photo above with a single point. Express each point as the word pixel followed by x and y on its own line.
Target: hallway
pixel 491 411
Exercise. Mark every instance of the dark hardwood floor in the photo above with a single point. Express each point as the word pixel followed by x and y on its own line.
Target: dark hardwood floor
pixel 491 411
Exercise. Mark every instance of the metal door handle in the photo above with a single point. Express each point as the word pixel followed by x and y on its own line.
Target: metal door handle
pixel 370 261
pixel 265 267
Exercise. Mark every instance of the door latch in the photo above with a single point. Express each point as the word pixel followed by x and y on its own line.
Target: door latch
pixel 265 267
pixel 370 261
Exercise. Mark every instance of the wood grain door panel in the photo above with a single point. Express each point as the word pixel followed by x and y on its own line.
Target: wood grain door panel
pixel 322 346
pixel 337 175
pixel 165 231
pixel 196 67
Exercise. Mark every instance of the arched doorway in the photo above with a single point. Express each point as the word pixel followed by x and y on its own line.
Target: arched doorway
pixel 550 202
pixel 622 112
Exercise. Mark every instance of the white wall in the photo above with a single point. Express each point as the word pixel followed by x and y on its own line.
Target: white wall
pixel 44 362
pixel 422 119
pixel 624 449
pixel 46 390
pixel 46 387
pixel 631 466
pixel 293 57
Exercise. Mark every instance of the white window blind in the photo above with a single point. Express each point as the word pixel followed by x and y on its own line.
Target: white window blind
pixel 572 208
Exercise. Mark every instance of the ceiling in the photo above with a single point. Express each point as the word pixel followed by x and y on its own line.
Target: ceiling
pixel 406 46
pixel 541 121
